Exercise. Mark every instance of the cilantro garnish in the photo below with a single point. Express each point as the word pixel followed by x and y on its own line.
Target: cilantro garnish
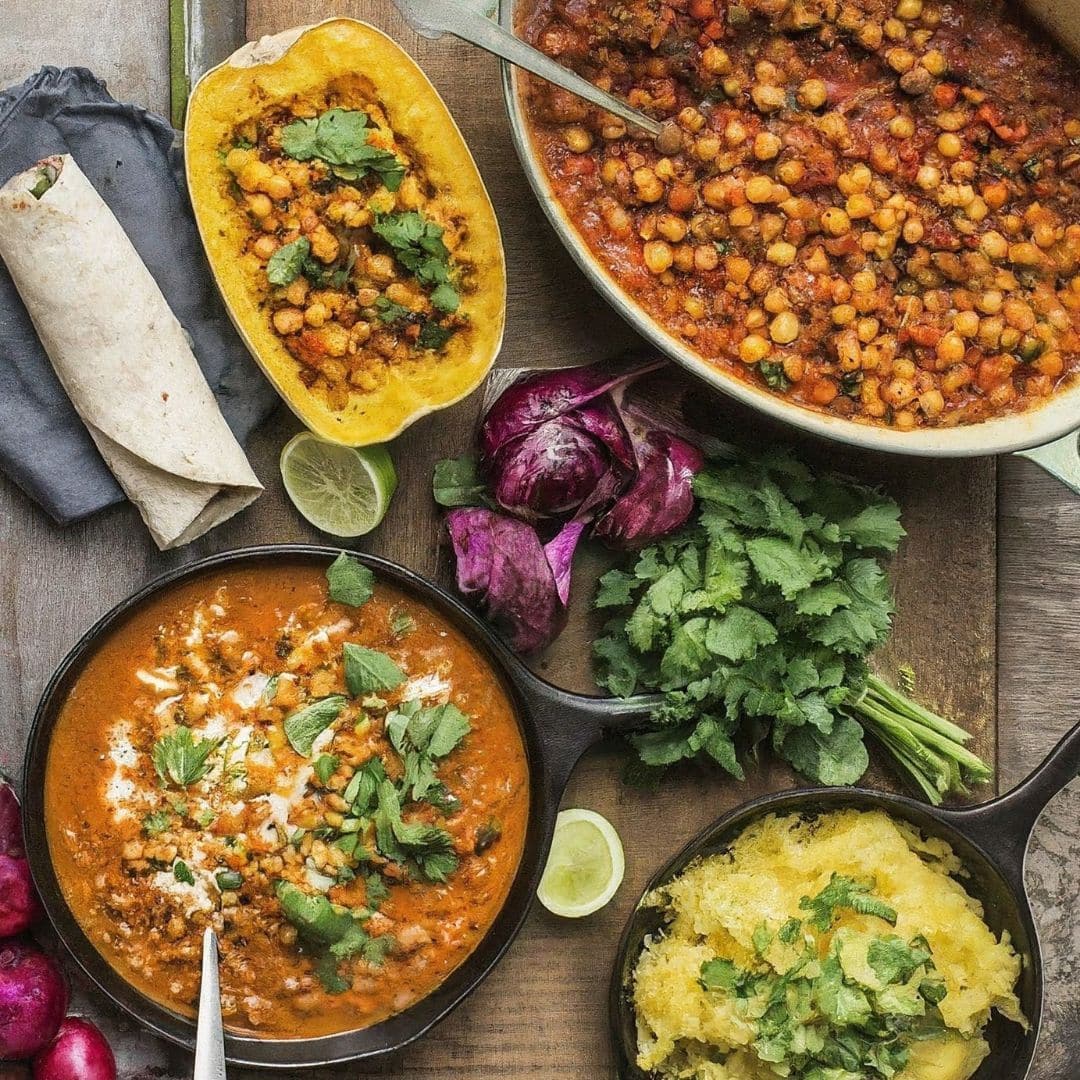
pixel 156 822
pixel 303 726
pixel 417 244
pixel 459 482
pixel 844 892
pixel 180 759
pixel 433 335
pixel 427 848
pixel 756 620
pixel 285 265
pixel 325 767
pixel 340 138
pixel 350 581
pixel 367 670
pixel 182 872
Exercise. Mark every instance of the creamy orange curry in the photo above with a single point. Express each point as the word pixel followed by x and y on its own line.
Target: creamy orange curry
pixel 316 765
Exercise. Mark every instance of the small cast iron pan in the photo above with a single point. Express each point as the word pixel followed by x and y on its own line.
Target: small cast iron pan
pixel 991 840
pixel 557 728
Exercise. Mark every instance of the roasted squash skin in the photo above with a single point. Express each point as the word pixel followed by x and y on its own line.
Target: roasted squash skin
pixel 280 71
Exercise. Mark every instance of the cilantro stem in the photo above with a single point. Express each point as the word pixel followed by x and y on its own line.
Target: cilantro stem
pixel 928 747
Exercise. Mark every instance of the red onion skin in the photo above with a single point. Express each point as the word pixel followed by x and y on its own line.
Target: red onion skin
pixel 33 1000
pixel 19 905
pixel 79 1052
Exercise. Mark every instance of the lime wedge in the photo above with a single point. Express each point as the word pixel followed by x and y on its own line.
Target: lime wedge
pixel 342 490
pixel 585 865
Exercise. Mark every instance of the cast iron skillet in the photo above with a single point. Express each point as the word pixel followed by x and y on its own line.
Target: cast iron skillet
pixel 991 841
pixel 557 728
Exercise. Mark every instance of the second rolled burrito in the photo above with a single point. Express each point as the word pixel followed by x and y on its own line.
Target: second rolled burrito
pixel 121 354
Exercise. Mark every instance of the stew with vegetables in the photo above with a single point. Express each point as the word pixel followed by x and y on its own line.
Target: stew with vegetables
pixel 875 209
pixel 318 766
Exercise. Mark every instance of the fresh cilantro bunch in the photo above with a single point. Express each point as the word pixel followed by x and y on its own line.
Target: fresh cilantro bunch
pixel 756 621
pixel 418 245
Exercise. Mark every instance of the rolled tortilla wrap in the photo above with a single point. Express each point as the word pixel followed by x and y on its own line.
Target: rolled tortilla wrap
pixel 121 354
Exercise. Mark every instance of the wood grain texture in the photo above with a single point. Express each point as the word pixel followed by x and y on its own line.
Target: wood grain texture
pixel 542 1013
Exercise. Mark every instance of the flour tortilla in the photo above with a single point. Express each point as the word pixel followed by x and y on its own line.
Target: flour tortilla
pixel 122 356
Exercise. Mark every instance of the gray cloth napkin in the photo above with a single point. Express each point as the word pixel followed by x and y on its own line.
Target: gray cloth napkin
pixel 132 159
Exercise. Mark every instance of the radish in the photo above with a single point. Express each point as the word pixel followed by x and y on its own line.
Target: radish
pixel 33 1000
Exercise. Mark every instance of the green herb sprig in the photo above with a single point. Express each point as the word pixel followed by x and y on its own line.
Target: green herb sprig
pixel 756 621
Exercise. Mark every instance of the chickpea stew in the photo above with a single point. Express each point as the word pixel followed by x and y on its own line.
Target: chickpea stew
pixel 363 261
pixel 318 766
pixel 875 210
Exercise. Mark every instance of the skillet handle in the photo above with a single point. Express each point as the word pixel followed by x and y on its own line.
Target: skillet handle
pixel 1003 826
pixel 1060 458
pixel 568 723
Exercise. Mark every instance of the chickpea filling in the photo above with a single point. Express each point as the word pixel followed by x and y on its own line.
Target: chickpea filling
pixel 364 261
pixel 874 211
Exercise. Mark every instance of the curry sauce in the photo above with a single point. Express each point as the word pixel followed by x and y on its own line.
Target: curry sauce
pixel 340 791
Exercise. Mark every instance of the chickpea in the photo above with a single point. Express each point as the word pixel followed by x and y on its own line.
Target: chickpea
pixel 264 247
pixel 1025 254
pixel 759 189
pixel 647 184
pixel 835 221
pixel 578 139
pixel 934 61
pixel 949 145
pixel 254 175
pixel 288 320
pixel 812 94
pixel 766 146
pixel 842 314
pixel 767 98
pixel 781 253
pixel 316 315
pixel 741 217
pixel 951 348
pixel 237 158
pixel 735 132
pixel 900 60
pixel 784 328
pixel 790 172
pixel 913 230
pixel 901 127
pixel 706 257
pixel 259 205
pixel 928 177
pixel 776 301
pixel 716 61
pixel 658 256
pixel 966 323
pixel 753 348
pixel 859 206
pixel 278 188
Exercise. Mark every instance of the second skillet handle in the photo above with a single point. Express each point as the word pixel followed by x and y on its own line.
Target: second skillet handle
pixel 1003 826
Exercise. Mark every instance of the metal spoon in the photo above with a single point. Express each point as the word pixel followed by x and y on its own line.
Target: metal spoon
pixel 209 1037
pixel 433 18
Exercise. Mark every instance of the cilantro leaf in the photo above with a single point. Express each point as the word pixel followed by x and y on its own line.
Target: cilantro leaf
pixel 179 759
pixel 834 757
pixel 368 670
pixel 458 482
pixel 325 767
pixel 340 137
pixel 432 334
pixel 739 633
pixel 304 725
pixel 844 892
pixel 417 244
pixel 427 846
pixel 721 974
pixel 156 822
pixel 285 265
pixel 351 582
pixel 892 960
pixel 182 872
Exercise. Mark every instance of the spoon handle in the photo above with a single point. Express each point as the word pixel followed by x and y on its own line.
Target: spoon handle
pixel 432 18
pixel 209 1039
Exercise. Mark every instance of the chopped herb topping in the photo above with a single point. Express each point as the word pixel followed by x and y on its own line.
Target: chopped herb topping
pixel 180 759
pixel 340 137
pixel 351 582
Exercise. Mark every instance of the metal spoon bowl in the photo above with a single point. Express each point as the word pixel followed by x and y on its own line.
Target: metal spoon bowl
pixel 433 18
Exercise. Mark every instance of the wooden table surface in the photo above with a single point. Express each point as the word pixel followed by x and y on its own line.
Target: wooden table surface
pixel 54 582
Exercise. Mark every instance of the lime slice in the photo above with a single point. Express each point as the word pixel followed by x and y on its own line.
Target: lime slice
pixel 342 490
pixel 585 865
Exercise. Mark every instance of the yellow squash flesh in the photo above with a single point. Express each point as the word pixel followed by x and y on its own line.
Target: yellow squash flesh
pixel 284 70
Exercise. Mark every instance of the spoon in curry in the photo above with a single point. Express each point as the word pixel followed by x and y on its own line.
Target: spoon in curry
pixel 462 19
pixel 209 1037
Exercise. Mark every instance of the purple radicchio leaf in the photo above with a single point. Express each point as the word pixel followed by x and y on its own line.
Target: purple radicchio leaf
pixel 539 398
pixel 559 552
pixel 660 497
pixel 502 565
pixel 548 471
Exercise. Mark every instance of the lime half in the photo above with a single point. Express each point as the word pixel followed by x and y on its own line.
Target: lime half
pixel 585 865
pixel 342 490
